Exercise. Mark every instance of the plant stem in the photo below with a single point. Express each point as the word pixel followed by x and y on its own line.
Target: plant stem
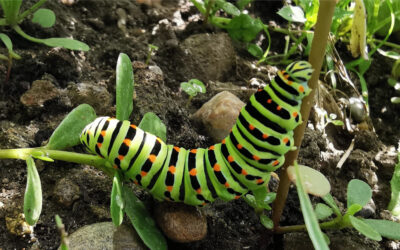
pixel 24 153
pixel 333 224
pixel 26 36
pixel 30 10
pixel 322 27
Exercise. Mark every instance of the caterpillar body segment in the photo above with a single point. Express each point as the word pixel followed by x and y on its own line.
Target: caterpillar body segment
pixel 256 145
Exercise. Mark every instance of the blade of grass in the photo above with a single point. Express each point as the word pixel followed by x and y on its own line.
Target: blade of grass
pixel 314 231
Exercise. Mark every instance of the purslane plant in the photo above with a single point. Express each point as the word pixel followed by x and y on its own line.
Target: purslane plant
pixel 13 16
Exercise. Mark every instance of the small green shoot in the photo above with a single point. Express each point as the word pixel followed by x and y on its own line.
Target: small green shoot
pixel 117 201
pixel 192 88
pixel 125 87
pixel 151 49
pixel 44 17
pixel 394 204
pixel 63 234
pixel 33 194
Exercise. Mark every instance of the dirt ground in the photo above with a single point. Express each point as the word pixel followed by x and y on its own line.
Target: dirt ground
pixel 95 22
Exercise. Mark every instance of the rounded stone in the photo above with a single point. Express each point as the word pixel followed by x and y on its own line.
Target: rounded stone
pixel 180 222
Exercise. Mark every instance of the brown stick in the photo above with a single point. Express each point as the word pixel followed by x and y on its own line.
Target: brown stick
pixel 322 28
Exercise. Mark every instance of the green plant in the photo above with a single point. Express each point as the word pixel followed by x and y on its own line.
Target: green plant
pixel 12 17
pixel 358 195
pixel 150 52
pixel 63 234
pixel 192 88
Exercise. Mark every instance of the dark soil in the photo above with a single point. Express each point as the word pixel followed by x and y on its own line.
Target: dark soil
pixel 95 23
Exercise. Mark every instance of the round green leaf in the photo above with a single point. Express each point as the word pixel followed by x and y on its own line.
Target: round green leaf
pixel 44 17
pixel 322 211
pixel 292 14
pixel 266 221
pixel 152 124
pixel 33 194
pixel 315 182
pixel 386 228
pixel 358 192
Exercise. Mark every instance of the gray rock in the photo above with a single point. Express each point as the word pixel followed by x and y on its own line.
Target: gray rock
pixel 180 222
pixel 66 192
pixel 207 57
pixel 96 96
pixel 105 236
pixel 219 114
pixel 40 92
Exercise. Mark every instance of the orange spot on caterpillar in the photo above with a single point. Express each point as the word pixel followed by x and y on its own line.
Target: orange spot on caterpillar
pixel 251 127
pixel 285 140
pixel 198 191
pixel 259 181
pixel 269 101
pixel 177 149
pixel 259 90
pixel 136 182
pixel 103 133
pixel 230 158
pixel 172 169
pixel 264 136
pixel 193 172
pixel 239 146
pixel 275 163
pixel 244 172
pixel 237 197
pixel 99 145
pixel 115 167
pixel 127 142
pixel 203 204
pixel 278 108
pixel 133 126
pixel 211 147
pixel 295 114
pixel 223 141
pixel 289 82
pixel 301 89
pixel 152 158
pixel 143 173
pixel 121 157
pixel 255 157
pixel 169 188
pixel 194 151
pixel 227 184
pixel 217 167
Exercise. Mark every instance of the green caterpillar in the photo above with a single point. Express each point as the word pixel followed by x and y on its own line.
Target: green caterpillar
pixel 263 133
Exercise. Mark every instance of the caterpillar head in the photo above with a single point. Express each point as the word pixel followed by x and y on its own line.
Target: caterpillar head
pixel 300 72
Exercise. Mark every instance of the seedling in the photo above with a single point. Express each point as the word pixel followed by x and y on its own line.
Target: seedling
pixel 192 88
pixel 44 17
pixel 152 49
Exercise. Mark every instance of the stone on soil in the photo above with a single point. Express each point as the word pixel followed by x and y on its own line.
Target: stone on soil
pixel 66 192
pixel 219 114
pixel 180 222
pixel 40 92
pixel 105 236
